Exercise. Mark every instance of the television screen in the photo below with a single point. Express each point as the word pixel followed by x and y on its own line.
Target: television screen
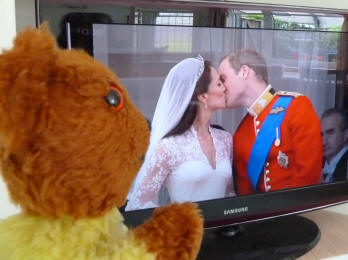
pixel 297 61
pixel 300 58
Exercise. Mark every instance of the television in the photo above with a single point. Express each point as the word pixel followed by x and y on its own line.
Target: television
pixel 145 39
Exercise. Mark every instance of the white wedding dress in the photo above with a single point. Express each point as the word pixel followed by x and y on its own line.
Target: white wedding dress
pixel 180 165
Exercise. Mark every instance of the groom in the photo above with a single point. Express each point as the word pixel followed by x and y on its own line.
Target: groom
pixel 278 143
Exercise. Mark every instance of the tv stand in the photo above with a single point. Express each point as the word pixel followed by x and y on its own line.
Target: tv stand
pixel 229 231
pixel 281 238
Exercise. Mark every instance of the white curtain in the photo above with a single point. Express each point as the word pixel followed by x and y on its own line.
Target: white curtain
pixel 142 55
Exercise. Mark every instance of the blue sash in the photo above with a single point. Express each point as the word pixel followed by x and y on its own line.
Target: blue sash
pixel 266 137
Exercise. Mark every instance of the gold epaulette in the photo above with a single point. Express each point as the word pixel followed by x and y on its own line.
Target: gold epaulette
pixel 288 93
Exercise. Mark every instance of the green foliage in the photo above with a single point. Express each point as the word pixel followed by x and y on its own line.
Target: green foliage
pixel 337 28
pixel 256 17
pixel 280 24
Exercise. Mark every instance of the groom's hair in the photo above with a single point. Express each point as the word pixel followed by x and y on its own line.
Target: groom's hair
pixel 252 59
pixel 191 111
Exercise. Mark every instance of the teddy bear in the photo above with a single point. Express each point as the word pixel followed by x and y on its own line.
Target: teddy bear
pixel 71 143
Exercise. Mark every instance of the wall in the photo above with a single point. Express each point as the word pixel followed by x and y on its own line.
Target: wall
pixel 25 14
pixel 7 23
pixel 7 32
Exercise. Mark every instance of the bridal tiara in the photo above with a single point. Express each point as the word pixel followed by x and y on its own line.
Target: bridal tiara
pixel 201 67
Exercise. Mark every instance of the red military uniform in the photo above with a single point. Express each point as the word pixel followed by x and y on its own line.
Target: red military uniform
pixel 294 160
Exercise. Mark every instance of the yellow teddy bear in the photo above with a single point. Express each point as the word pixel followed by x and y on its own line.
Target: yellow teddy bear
pixel 71 143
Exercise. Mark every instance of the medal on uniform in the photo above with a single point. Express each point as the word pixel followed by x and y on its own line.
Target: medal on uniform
pixel 283 160
pixel 277 110
pixel 277 140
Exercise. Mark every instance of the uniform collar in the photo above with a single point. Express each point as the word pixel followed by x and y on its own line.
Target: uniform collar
pixel 261 102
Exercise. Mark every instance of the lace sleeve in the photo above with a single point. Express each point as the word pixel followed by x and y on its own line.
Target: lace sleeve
pixel 230 190
pixel 145 194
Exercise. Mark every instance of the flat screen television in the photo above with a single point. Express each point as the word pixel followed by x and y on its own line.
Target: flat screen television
pixel 298 60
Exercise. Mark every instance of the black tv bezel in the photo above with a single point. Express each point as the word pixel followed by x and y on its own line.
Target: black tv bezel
pixel 259 206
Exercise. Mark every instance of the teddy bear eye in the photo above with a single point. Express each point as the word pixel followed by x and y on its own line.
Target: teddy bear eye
pixel 115 98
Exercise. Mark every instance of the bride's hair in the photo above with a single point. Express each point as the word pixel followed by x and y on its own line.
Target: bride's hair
pixel 190 113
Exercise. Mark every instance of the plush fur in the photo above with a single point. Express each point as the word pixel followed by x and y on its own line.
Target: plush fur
pixel 68 159
pixel 69 239
pixel 180 241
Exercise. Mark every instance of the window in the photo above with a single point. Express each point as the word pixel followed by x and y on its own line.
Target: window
pixel 172 39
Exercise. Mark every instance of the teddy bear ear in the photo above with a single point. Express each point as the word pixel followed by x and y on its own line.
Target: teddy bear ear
pixel 31 42
pixel 25 73
pixel 31 58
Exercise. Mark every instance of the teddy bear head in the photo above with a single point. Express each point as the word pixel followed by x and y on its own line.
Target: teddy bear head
pixel 71 140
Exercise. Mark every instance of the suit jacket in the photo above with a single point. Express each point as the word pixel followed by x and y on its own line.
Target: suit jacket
pixel 340 173
pixel 296 162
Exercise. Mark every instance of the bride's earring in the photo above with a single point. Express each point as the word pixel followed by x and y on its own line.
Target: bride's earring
pixel 205 105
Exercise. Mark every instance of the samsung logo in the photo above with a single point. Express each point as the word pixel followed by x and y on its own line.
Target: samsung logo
pixel 235 211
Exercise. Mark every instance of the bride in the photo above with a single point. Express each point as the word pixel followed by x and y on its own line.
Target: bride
pixel 187 159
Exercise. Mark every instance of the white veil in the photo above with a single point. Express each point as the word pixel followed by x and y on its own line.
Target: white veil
pixel 175 97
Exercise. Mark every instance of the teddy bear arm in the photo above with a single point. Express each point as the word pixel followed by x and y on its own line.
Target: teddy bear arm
pixel 174 232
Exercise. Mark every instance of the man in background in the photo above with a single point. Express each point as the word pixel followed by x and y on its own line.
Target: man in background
pixel 334 131
pixel 278 143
